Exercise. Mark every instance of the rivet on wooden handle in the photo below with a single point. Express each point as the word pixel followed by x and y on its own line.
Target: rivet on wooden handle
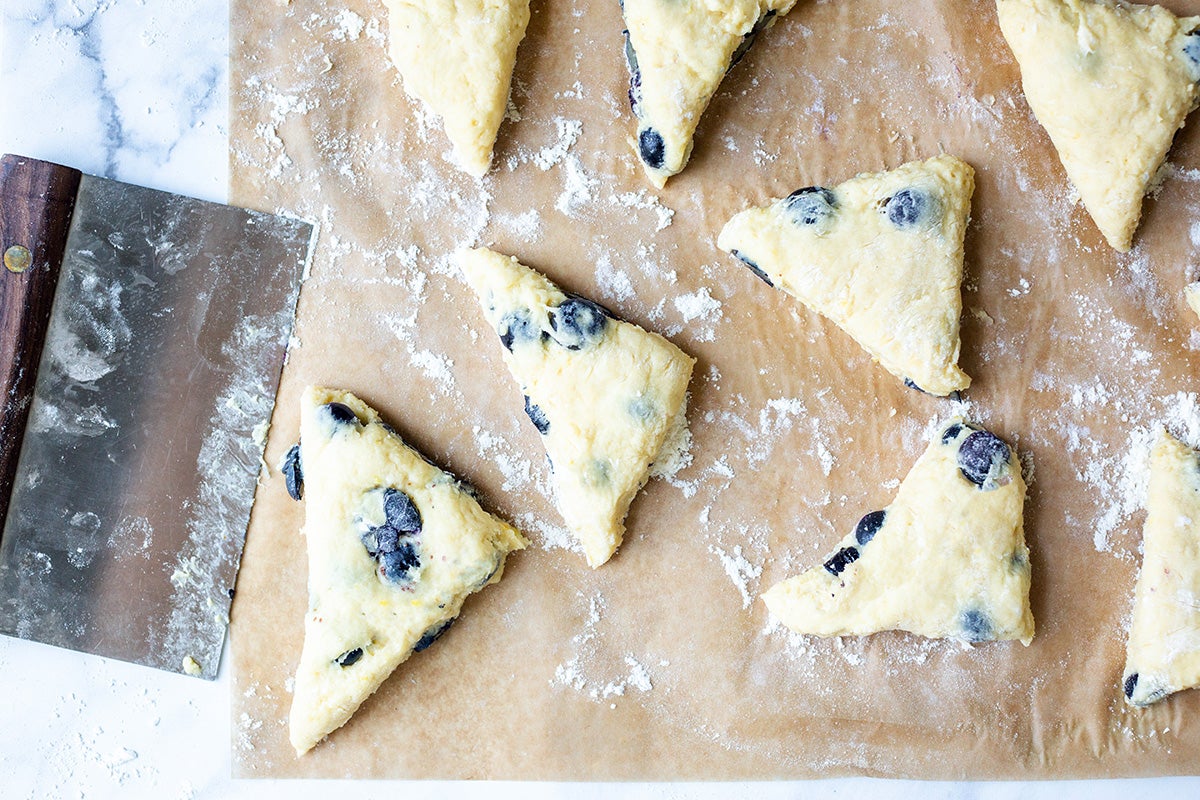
pixel 36 201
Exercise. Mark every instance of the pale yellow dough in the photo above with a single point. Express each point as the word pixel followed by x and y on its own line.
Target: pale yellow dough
pixel 1191 294
pixel 682 49
pixel 893 287
pixel 351 606
pixel 948 560
pixel 457 56
pixel 604 402
pixel 1111 83
pixel 1163 654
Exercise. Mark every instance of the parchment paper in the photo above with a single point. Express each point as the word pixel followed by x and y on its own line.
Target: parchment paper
pixel 663 664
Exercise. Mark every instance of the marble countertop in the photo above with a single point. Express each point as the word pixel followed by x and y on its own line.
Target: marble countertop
pixel 139 91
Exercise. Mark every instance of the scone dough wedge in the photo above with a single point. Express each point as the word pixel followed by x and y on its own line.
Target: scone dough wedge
pixel 678 51
pixel 1163 653
pixel 603 393
pixel 1111 83
pixel 881 255
pixel 947 559
pixel 395 545
pixel 458 57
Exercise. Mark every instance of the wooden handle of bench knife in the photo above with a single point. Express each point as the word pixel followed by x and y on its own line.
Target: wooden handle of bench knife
pixel 36 201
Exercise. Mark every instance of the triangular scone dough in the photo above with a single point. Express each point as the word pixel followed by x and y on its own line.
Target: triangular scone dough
pixel 1163 654
pixel 1111 83
pixel 947 559
pixel 458 58
pixel 365 490
pixel 603 393
pixel 881 255
pixel 678 52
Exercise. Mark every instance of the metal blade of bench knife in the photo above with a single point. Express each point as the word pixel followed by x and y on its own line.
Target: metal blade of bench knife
pixel 156 385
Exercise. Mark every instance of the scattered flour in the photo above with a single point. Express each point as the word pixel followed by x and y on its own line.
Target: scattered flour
pixel 642 200
pixel 739 570
pixel 579 188
pixel 568 133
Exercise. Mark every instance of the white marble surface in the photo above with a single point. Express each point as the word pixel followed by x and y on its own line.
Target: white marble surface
pixel 138 90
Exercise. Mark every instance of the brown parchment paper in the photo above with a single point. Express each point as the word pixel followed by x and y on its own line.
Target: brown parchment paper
pixel 663 663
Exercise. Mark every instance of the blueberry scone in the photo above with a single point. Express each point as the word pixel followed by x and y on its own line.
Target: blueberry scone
pixel 1111 83
pixel 603 393
pixel 395 545
pixel 678 51
pixel 947 559
pixel 457 57
pixel 881 255
pixel 1163 654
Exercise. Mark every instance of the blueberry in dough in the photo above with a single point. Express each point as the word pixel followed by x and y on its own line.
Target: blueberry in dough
pixel 981 458
pixel 868 526
pixel 748 40
pixel 341 413
pixel 810 205
pixel 841 559
pixel 907 207
pixel 430 636
pixel 401 512
pixel 651 148
pixel 753 267
pixel 1131 684
pixel 577 322
pixel 1191 48
pixel 293 473
pixel 383 539
pixel 537 416
pixel 516 327
pixel 349 657
pixel 911 385
pixel 635 77
pixel 396 565
pixel 976 625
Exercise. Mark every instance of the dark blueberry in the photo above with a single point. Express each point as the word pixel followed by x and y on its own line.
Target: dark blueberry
pixel 810 205
pixel 981 457
pixel 1191 47
pixel 396 565
pixel 577 322
pixel 387 538
pixel 516 326
pixel 1131 684
pixel 349 657
pixel 912 385
pixel 748 40
pixel 868 526
pixel 537 416
pixel 635 77
pixel 430 636
pixel 907 207
pixel 651 148
pixel 370 540
pixel 753 267
pixel 841 559
pixel 341 413
pixel 951 433
pixel 293 473
pixel 401 512
pixel 976 625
